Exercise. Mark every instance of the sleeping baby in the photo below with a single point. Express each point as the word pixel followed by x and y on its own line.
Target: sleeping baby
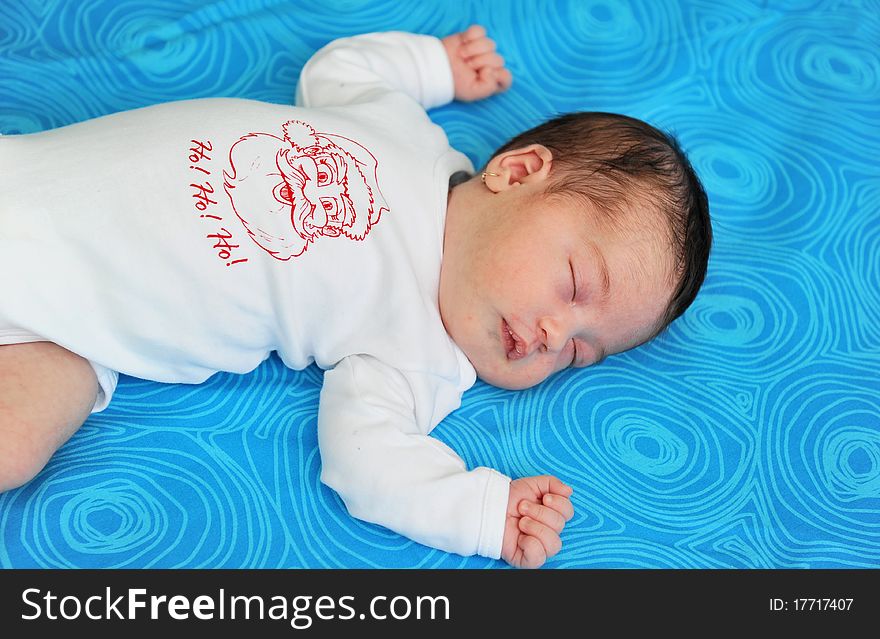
pixel 344 231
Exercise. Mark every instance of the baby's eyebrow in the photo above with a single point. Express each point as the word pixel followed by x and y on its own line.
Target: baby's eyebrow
pixel 604 278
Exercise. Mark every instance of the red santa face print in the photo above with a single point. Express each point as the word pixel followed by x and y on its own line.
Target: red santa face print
pixel 289 192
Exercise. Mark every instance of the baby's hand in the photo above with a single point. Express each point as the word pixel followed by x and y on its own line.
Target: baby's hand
pixel 537 510
pixel 477 70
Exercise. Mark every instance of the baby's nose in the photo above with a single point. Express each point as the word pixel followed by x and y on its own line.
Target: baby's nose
pixel 551 334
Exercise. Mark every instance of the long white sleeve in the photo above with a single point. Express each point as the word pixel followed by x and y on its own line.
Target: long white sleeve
pixel 363 68
pixel 389 472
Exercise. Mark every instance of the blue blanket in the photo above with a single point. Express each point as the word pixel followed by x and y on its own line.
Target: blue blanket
pixel 746 435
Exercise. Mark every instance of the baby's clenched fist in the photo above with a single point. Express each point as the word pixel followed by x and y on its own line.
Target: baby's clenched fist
pixel 477 70
pixel 537 510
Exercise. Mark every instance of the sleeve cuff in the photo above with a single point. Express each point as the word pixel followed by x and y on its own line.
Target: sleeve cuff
pixel 437 86
pixel 494 514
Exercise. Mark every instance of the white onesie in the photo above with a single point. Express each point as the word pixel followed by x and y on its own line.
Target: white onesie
pixel 179 240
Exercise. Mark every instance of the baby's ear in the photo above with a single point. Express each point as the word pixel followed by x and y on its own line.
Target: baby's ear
pixel 530 163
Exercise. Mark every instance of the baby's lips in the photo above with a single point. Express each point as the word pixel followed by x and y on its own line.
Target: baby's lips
pixel 513 343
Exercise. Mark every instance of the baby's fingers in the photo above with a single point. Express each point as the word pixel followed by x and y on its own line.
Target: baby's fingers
pixel 533 553
pixel 558 488
pixel 490 60
pixel 547 536
pixel 547 516
pixel 473 32
pixel 491 81
pixel 475 48
pixel 562 505
pixel 503 79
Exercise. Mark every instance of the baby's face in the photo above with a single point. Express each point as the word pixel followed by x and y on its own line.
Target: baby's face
pixel 533 287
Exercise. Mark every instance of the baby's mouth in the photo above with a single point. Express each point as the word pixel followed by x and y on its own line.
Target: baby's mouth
pixel 513 344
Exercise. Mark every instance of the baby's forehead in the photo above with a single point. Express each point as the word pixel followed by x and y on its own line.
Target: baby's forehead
pixel 638 248
pixel 631 235
pixel 638 281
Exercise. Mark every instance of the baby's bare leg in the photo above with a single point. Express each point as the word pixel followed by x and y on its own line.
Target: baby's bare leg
pixel 46 393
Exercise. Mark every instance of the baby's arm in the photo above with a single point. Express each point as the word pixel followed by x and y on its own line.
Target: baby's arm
pixel 368 67
pixel 389 472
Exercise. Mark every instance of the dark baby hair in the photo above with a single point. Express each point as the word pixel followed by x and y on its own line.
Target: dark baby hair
pixel 608 159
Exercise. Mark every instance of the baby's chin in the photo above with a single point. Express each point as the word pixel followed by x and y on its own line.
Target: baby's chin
pixel 508 379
